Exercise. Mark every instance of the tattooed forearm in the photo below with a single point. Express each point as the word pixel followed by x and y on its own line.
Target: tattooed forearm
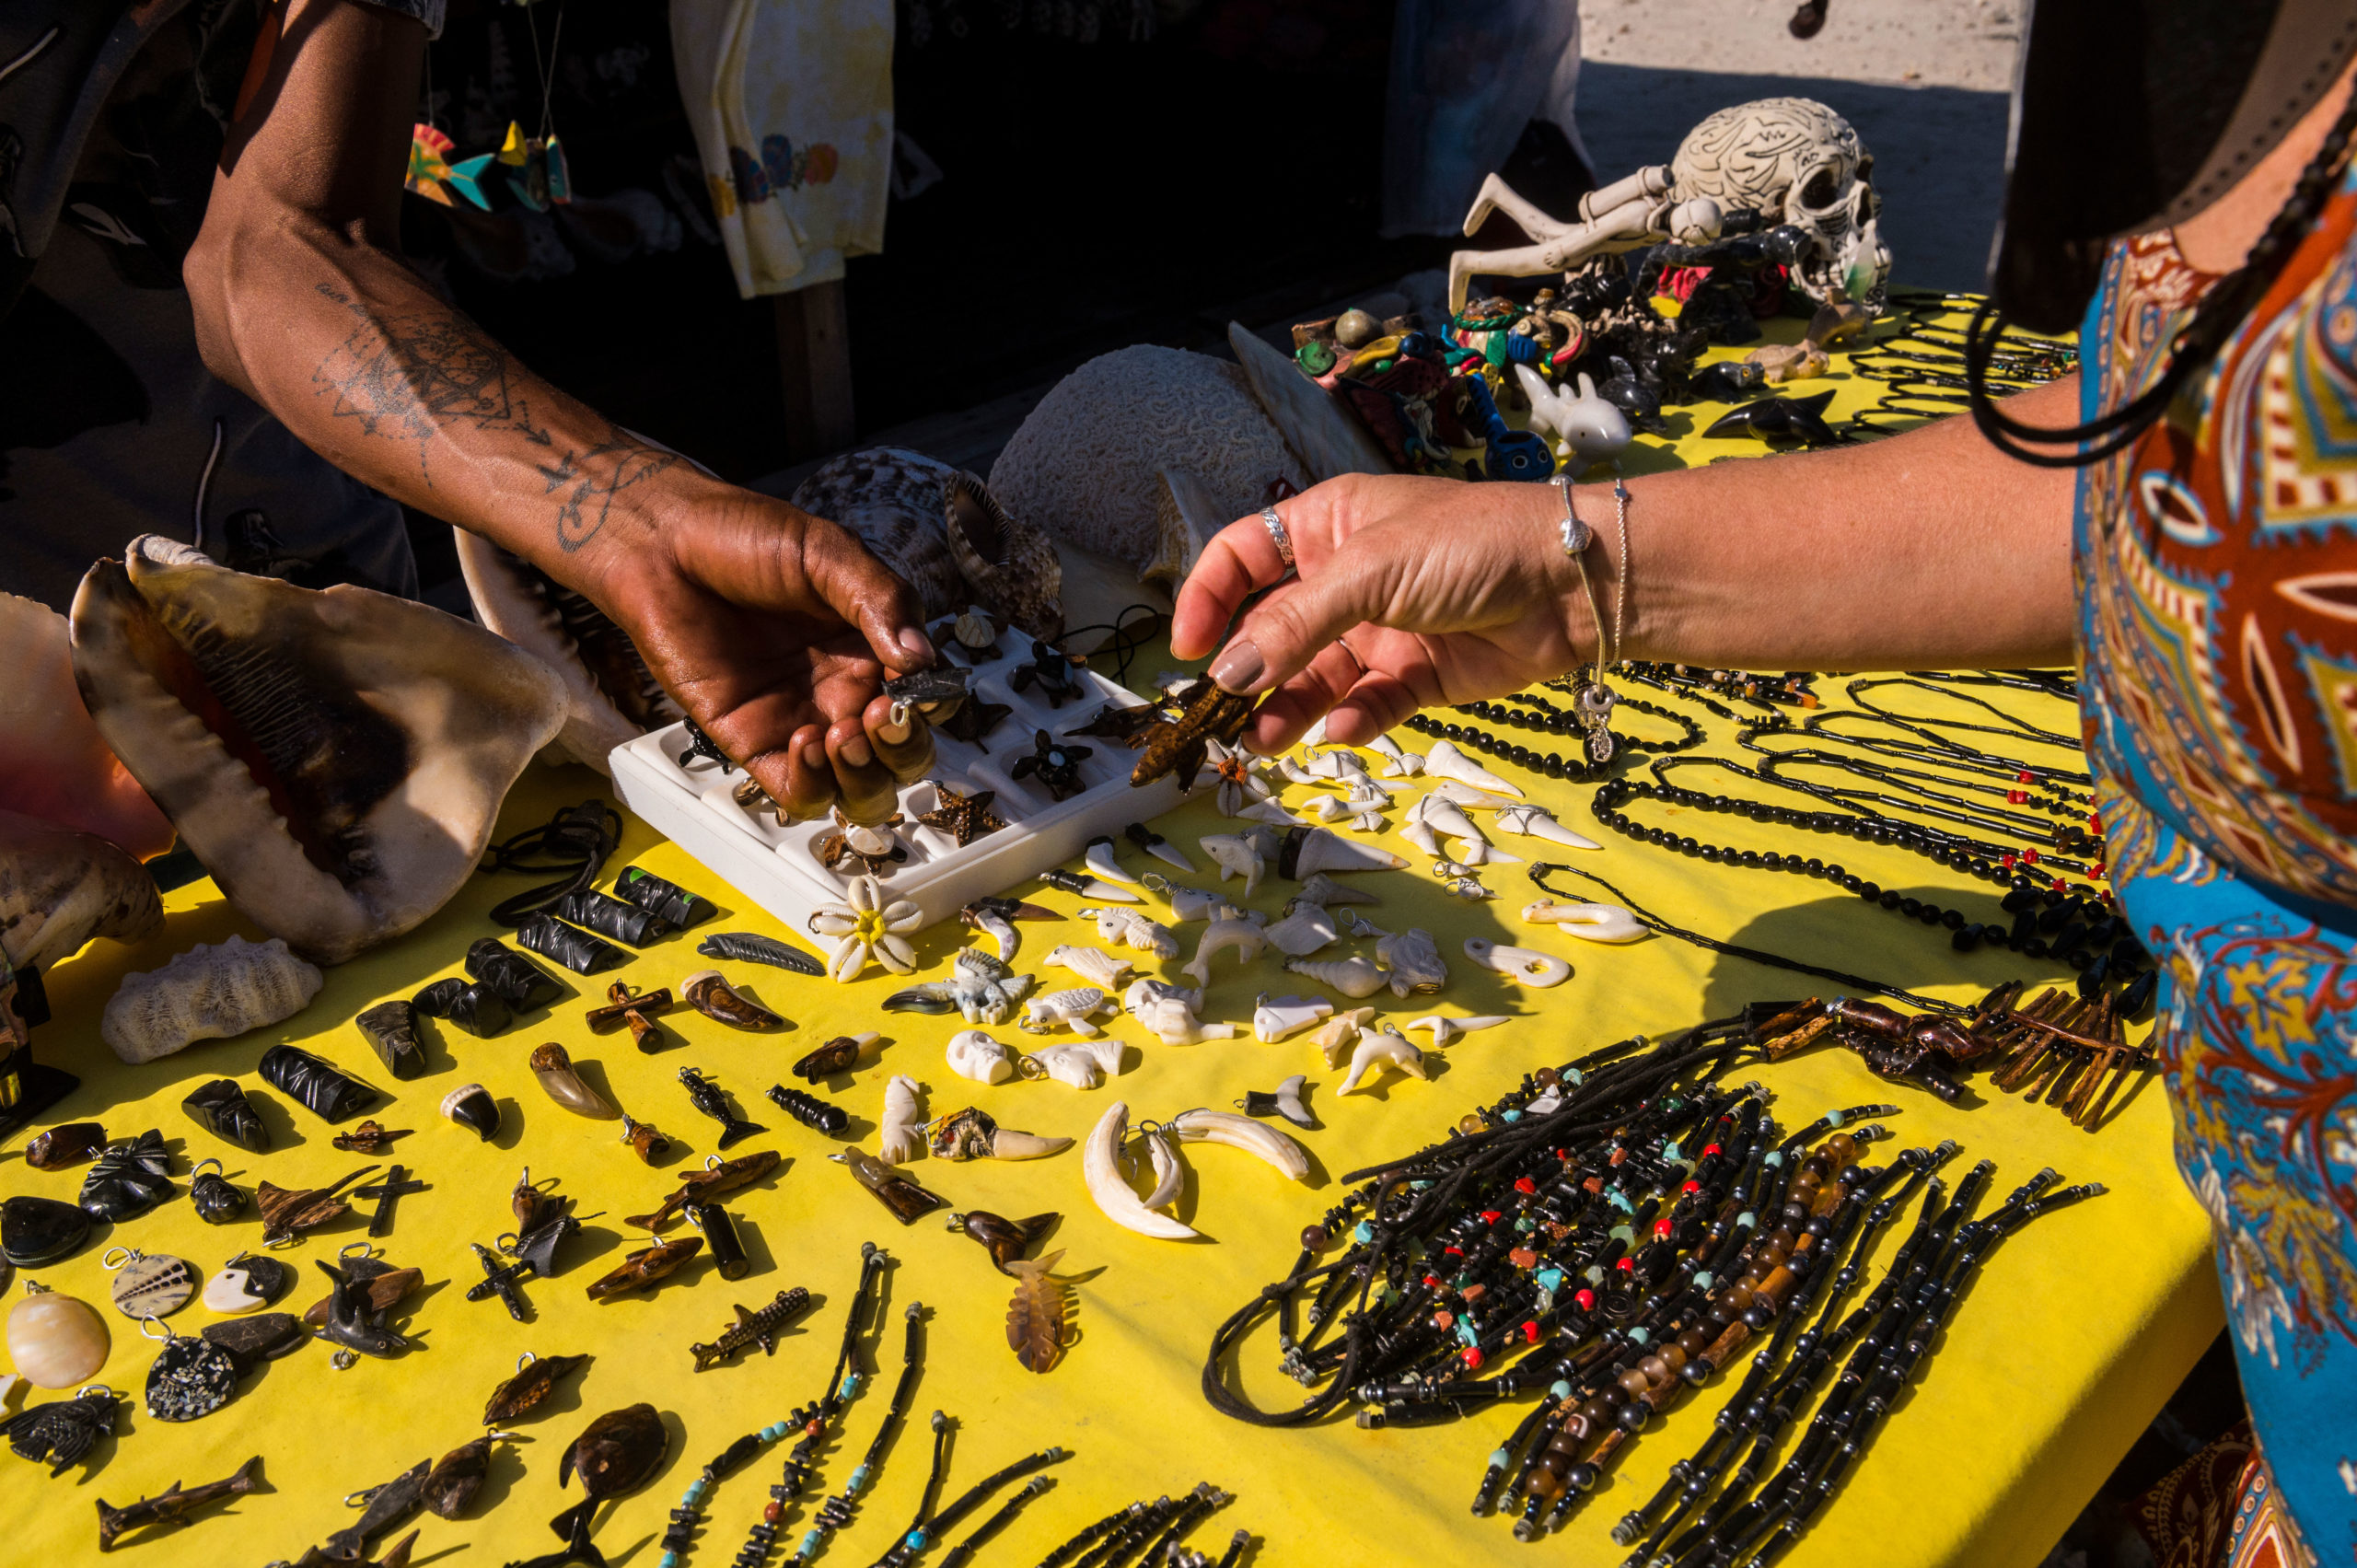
pixel 418 375
pixel 408 377
pixel 589 481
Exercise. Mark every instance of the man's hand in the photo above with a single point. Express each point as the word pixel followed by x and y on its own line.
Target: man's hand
pixel 1412 593
pixel 773 630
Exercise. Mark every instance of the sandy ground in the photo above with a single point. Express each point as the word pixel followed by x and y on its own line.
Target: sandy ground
pixel 1924 81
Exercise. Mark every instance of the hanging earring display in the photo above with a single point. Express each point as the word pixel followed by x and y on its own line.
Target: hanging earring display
pixel 191 1377
pixel 537 171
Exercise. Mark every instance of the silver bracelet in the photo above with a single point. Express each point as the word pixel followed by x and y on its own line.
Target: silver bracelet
pixel 1577 535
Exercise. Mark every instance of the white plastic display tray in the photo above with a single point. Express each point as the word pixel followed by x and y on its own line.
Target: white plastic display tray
pixel 778 868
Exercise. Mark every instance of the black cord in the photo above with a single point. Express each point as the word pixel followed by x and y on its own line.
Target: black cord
pixel 577 841
pixel 1539 870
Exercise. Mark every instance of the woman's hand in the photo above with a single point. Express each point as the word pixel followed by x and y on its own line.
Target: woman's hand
pixel 1412 593
pixel 775 629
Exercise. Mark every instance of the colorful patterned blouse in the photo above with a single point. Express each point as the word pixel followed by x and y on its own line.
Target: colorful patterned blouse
pixel 2216 560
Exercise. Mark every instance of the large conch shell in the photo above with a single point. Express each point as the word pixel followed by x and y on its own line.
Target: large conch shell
pixel 59 887
pixel 59 767
pixel 610 696
pixel 334 757
pixel 206 994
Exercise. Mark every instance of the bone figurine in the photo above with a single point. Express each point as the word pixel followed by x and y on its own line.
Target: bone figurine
pixel 1527 965
pixel 1445 1030
pixel 1413 962
pixel 973 1055
pixel 1084 1064
pixel 1335 1037
pixel 1092 964
pixel 1242 933
pixel 1127 928
pixel 1236 855
pixel 1274 1017
pixel 1074 1009
pixel 1354 977
pixel 1379 1048
pixel 1590 923
pixel 1397 764
pixel 1305 929
pixel 1168 1012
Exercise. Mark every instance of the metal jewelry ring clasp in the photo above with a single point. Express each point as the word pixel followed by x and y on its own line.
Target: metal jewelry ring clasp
pixel 1277 535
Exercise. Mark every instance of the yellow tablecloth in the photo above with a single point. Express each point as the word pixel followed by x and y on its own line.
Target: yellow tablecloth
pixel 2066 1346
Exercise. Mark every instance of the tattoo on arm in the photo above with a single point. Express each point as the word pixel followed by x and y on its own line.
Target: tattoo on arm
pixel 416 376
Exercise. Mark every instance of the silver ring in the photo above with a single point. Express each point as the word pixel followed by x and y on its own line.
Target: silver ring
pixel 1277 535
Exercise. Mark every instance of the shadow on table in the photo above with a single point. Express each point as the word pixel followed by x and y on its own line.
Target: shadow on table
pixel 1864 943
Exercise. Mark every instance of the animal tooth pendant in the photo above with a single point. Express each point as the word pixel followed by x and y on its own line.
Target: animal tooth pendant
pixel 1397 764
pixel 1590 923
pixel 1243 932
pixel 1155 845
pixel 712 996
pixel 1326 893
pixel 1235 855
pixel 975 1134
pixel 1339 1034
pixel 552 1069
pixel 1418 832
pixel 1127 928
pixel 1100 860
pixel 1304 930
pixel 1275 1017
pixel 1305 852
pixel 1444 760
pixel 1168 1012
pixel 1379 1048
pixel 900 1131
pixel 1285 1101
pixel 1073 1009
pixel 472 1107
pixel 1525 964
pixel 55 1341
pixel 973 1055
pixel 1101 1171
pixel 1355 977
pixel 995 918
pixel 1413 962
pixel 1092 964
pixel 1536 822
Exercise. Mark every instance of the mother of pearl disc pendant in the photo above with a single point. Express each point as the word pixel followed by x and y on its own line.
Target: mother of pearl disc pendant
pixel 56 1342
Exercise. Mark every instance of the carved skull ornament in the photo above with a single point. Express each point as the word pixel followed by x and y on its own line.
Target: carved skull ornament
pixel 1794 161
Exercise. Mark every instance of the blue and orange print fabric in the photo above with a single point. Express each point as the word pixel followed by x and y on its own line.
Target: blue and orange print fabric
pixel 2216 562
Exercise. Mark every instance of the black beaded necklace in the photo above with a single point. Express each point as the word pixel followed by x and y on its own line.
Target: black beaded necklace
pixel 1537 713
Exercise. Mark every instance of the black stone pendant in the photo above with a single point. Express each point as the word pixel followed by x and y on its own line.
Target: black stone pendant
pixel 35 1232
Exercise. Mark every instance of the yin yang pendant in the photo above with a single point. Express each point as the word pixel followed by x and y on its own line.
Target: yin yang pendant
pixel 191 1377
pixel 246 1283
pixel 148 1284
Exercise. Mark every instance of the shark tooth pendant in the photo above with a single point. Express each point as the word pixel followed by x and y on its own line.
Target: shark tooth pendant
pixel 1447 762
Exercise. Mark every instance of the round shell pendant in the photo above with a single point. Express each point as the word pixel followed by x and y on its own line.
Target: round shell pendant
pixel 191 1377
pixel 56 1341
pixel 153 1286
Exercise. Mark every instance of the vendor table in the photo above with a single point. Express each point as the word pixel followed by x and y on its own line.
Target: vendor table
pixel 2065 1347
